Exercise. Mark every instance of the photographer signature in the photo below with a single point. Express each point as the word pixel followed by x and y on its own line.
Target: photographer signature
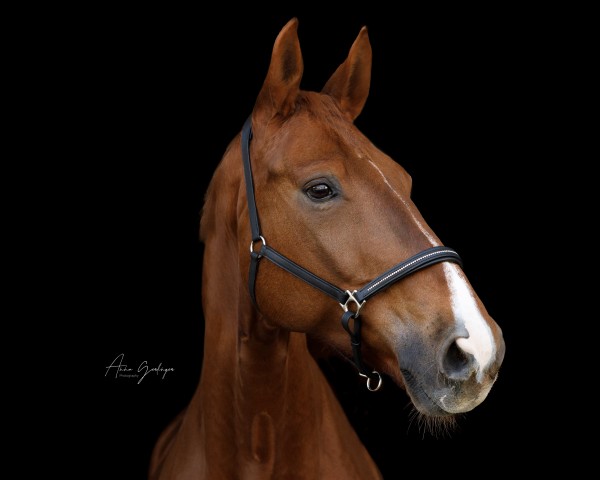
pixel 122 370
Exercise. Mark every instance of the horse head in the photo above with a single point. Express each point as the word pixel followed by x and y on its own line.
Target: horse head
pixel 332 202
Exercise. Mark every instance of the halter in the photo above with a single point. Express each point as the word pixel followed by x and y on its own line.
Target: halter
pixel 350 301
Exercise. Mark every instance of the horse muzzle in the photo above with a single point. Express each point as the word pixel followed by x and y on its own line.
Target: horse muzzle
pixel 449 380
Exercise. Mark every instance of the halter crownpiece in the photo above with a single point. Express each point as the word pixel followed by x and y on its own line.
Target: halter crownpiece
pixel 351 302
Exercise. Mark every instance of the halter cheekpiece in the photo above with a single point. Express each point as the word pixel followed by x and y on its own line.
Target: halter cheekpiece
pixel 350 301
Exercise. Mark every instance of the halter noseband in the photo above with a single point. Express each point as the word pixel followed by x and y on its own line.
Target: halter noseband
pixel 351 302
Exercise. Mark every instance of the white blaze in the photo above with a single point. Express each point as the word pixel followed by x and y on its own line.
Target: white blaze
pixel 480 343
pixel 415 219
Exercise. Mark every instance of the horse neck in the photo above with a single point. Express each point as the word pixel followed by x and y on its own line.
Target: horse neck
pixel 242 351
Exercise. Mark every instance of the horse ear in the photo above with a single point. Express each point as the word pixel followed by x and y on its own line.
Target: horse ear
pixel 281 87
pixel 350 83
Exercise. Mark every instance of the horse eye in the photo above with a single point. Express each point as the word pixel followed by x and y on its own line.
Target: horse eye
pixel 320 191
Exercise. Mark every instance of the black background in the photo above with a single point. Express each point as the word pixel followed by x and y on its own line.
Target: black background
pixel 457 98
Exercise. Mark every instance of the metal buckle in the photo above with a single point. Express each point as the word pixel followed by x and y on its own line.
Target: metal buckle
pixel 352 298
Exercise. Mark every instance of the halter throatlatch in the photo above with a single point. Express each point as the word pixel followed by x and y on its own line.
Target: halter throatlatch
pixel 351 302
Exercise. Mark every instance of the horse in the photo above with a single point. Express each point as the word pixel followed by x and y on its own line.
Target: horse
pixel 305 220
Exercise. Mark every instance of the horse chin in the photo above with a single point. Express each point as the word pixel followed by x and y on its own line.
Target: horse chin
pixel 443 401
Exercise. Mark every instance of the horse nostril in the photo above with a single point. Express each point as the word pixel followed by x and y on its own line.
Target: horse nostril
pixel 458 364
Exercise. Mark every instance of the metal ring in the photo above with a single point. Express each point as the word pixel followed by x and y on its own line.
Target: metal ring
pixel 262 239
pixel 378 383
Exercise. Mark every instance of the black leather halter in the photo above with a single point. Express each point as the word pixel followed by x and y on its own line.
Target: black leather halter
pixel 350 301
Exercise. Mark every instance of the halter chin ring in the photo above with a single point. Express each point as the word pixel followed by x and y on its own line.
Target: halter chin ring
pixel 261 239
pixel 379 382
pixel 352 298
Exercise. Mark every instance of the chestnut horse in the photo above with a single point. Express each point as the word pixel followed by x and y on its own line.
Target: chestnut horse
pixel 334 211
